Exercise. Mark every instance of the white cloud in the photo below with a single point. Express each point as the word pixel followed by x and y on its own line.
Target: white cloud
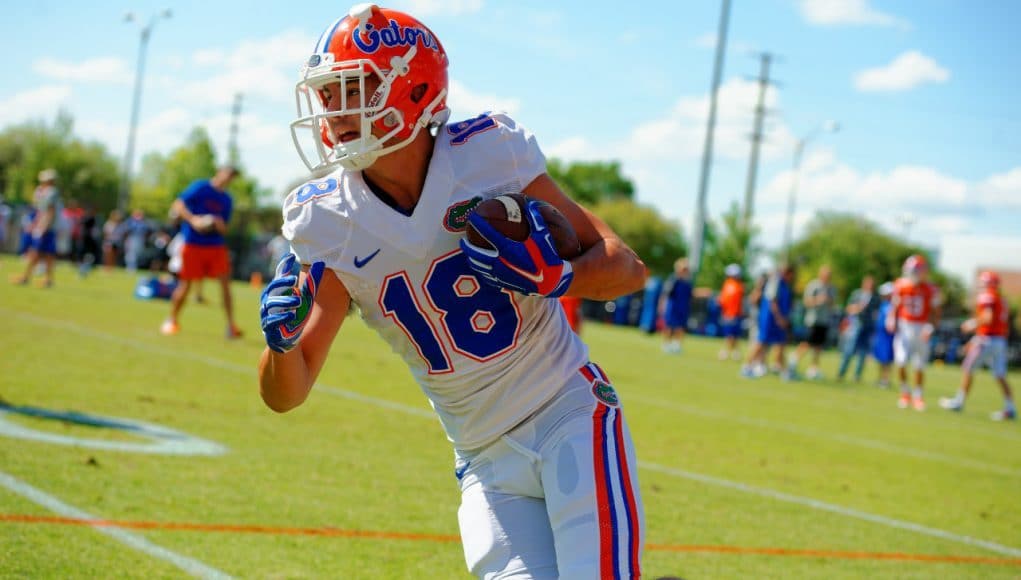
pixel 93 70
pixel 907 71
pixel 681 132
pixel 707 40
pixel 422 8
pixel 1002 190
pixel 846 12
pixel 38 103
pixel 261 68
pixel 465 103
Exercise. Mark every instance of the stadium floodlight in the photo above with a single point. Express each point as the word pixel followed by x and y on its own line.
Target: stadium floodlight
pixel 828 126
pixel 124 196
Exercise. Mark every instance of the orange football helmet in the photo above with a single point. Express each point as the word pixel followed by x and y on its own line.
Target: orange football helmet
pixel 989 279
pixel 915 265
pixel 409 62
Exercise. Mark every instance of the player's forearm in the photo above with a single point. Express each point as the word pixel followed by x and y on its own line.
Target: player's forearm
pixel 607 270
pixel 284 379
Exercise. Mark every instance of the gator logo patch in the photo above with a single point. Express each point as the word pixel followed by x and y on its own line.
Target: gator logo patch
pixel 457 215
pixel 605 393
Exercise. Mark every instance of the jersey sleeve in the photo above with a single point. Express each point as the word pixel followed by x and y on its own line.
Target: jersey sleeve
pixel 317 228
pixel 494 147
pixel 529 161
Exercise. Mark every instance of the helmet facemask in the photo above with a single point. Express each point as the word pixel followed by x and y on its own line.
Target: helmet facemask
pixel 370 110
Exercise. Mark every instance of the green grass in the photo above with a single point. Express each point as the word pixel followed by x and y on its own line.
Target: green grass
pixel 725 462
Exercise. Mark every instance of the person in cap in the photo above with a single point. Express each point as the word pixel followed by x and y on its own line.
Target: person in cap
pixel 43 230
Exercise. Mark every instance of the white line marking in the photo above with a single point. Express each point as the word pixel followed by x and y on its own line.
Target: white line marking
pixel 829 507
pixel 822 434
pixel 707 479
pixel 189 565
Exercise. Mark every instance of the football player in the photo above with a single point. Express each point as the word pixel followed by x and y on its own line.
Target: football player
pixel 913 315
pixel 543 456
pixel 989 345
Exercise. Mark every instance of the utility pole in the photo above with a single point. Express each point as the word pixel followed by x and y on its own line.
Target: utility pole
pixel 124 196
pixel 698 236
pixel 753 162
pixel 232 145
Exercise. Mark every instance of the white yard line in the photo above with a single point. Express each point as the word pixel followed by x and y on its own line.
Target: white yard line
pixel 706 479
pixel 833 508
pixel 130 539
pixel 823 434
pixel 691 364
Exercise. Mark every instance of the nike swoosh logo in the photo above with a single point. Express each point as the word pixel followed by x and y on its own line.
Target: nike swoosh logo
pixel 360 263
pixel 459 473
pixel 527 275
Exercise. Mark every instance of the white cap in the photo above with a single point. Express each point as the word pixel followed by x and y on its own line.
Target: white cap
pixel 886 289
pixel 733 270
pixel 48 175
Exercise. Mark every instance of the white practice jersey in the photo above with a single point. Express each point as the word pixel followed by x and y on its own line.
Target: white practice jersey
pixel 487 359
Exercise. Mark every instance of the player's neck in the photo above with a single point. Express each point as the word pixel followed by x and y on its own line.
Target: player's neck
pixel 401 174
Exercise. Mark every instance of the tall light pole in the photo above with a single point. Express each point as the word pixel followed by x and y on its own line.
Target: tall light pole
pixel 124 196
pixel 698 237
pixel 799 149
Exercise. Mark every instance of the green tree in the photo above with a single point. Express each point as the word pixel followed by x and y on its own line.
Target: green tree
pixel 87 171
pixel 658 241
pixel 732 242
pixel 162 179
pixel 854 247
pixel 591 182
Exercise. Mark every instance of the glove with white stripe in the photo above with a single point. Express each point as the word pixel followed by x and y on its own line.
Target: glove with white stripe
pixel 531 267
pixel 284 308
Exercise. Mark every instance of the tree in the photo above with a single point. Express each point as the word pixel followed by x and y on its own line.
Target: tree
pixel 87 171
pixel 658 241
pixel 733 243
pixel 591 182
pixel 854 247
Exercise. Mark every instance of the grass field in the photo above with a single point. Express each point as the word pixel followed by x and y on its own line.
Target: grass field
pixel 740 478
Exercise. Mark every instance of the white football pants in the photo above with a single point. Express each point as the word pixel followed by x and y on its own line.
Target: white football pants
pixel 557 497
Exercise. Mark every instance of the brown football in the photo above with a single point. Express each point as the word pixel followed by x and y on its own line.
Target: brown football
pixel 506 213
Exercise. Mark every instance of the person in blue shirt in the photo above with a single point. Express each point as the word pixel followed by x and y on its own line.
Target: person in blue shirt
pixel 205 209
pixel 774 322
pixel 882 343
pixel 675 306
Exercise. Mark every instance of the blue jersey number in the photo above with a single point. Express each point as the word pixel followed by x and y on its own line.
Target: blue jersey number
pixel 479 321
pixel 316 189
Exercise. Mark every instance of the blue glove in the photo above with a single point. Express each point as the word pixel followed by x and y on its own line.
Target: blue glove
pixel 531 267
pixel 284 312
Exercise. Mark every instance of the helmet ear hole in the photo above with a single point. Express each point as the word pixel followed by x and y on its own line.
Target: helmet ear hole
pixel 418 92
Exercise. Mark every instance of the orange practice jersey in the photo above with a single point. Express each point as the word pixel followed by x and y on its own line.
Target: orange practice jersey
pixel 731 297
pixel 915 301
pixel 998 325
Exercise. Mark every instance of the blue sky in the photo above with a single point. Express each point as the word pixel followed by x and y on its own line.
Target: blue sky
pixel 925 94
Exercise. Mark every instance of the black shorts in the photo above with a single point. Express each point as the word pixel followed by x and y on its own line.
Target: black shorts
pixel 817 334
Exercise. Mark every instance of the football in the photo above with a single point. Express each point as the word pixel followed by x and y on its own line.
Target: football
pixel 205 223
pixel 506 213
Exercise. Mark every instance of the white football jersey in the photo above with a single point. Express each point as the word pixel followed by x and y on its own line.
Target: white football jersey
pixel 487 359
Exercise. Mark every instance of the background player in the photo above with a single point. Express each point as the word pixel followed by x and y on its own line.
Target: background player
pixel 205 209
pixel 675 307
pixel 989 346
pixel 914 313
pixel 543 455
pixel 774 323
pixel 731 307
